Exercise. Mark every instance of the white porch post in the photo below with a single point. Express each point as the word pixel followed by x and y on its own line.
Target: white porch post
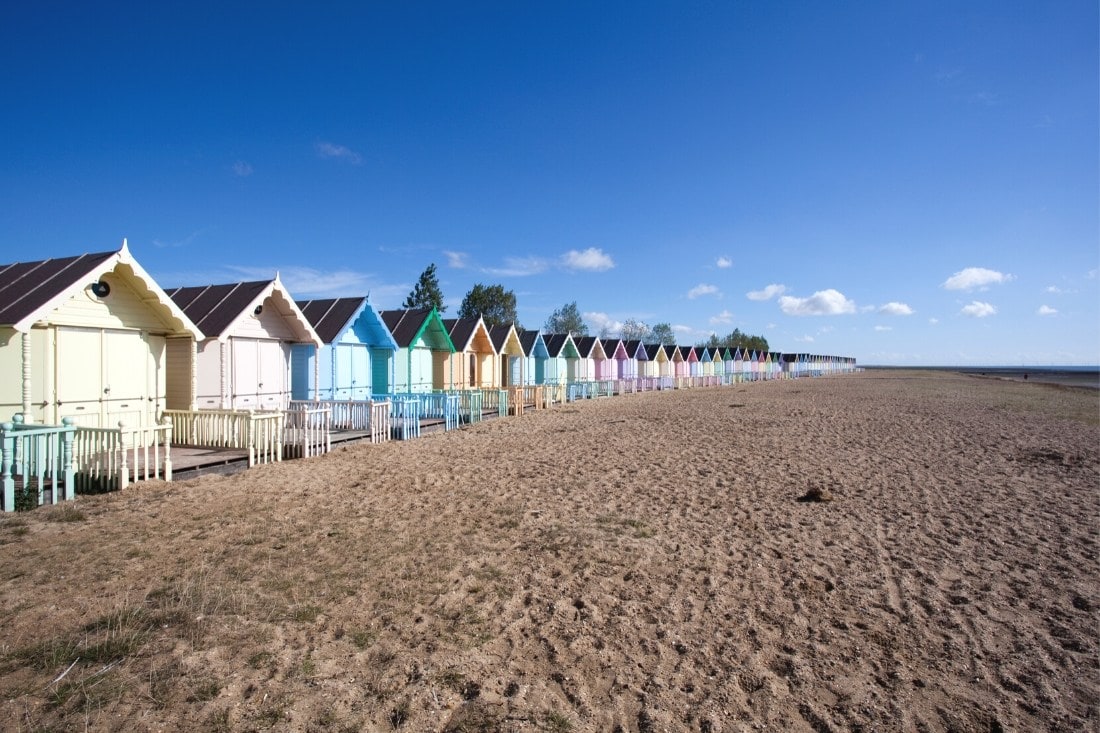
pixel 27 416
pixel 224 377
pixel 192 398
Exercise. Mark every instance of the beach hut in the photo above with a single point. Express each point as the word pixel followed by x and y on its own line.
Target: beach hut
pixel 706 360
pixel 561 366
pixel 243 361
pixel 473 364
pixel 535 357
pixel 509 351
pixel 676 364
pixel 88 338
pixel 657 362
pixel 612 366
pixel 420 335
pixel 355 358
pixel 590 355
pixel 637 356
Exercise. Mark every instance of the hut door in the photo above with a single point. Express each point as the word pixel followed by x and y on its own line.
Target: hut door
pixel 272 375
pixel 126 359
pixel 246 370
pixel 345 368
pixel 360 372
pixel 473 370
pixel 79 377
pixel 380 372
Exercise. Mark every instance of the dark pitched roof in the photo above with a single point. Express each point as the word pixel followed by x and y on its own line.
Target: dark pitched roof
pixel 499 336
pixel 527 340
pixel 330 316
pixel 27 286
pixel 214 307
pixel 405 324
pixel 610 346
pixel 651 350
pixel 585 345
pixel 555 342
pixel 460 330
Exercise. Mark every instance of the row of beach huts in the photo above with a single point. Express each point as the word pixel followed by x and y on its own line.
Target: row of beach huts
pixel 110 378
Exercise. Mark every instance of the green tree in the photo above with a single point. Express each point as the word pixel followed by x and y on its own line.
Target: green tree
pixel 426 293
pixel 567 319
pixel 662 333
pixel 634 330
pixel 492 302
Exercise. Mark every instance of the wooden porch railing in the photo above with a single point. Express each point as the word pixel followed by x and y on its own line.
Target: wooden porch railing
pixel 36 459
pixel 107 459
pixel 495 400
pixel 307 431
pixel 259 433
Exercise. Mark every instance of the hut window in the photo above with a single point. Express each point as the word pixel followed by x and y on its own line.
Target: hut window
pixel 473 369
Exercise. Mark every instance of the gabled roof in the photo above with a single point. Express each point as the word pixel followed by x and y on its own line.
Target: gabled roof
pixel 30 291
pixel 408 325
pixel 464 332
pixel 533 344
pixel 561 344
pixel 635 349
pixel 217 308
pixel 587 346
pixel 687 352
pixel 654 351
pixel 332 317
pixel 611 346
pixel 502 335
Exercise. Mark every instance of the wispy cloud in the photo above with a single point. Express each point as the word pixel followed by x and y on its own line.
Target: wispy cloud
pixel 173 243
pixel 724 318
pixel 241 168
pixel 884 328
pixel 590 260
pixel 1046 310
pixel 332 151
pixel 894 308
pixel 975 277
pixel 769 292
pixel 302 282
pixel 933 321
pixel 700 290
pixel 723 262
pixel 519 267
pixel 978 309
pixel 822 303
pixel 457 260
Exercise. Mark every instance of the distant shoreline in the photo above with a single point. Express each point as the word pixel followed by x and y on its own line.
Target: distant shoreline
pixel 1085 377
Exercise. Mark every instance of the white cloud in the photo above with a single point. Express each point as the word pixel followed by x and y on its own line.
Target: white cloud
pixel 1053 289
pixel 457 260
pixel 724 262
pixel 896 309
pixel 722 319
pixel 1046 310
pixel 338 152
pixel 933 321
pixel 241 168
pixel 599 321
pixel 822 303
pixel 701 289
pixel 518 267
pixel 804 339
pixel 884 328
pixel 767 293
pixel 978 309
pixel 975 277
pixel 591 259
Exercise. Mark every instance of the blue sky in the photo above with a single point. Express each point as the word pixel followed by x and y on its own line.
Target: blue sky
pixel 906 183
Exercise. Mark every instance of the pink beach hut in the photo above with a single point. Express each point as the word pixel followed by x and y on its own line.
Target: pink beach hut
pixel 614 355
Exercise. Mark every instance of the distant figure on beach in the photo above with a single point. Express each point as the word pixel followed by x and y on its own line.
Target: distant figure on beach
pixel 1025 376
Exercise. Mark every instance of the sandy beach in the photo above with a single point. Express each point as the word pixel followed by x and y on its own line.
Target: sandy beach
pixel 640 563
